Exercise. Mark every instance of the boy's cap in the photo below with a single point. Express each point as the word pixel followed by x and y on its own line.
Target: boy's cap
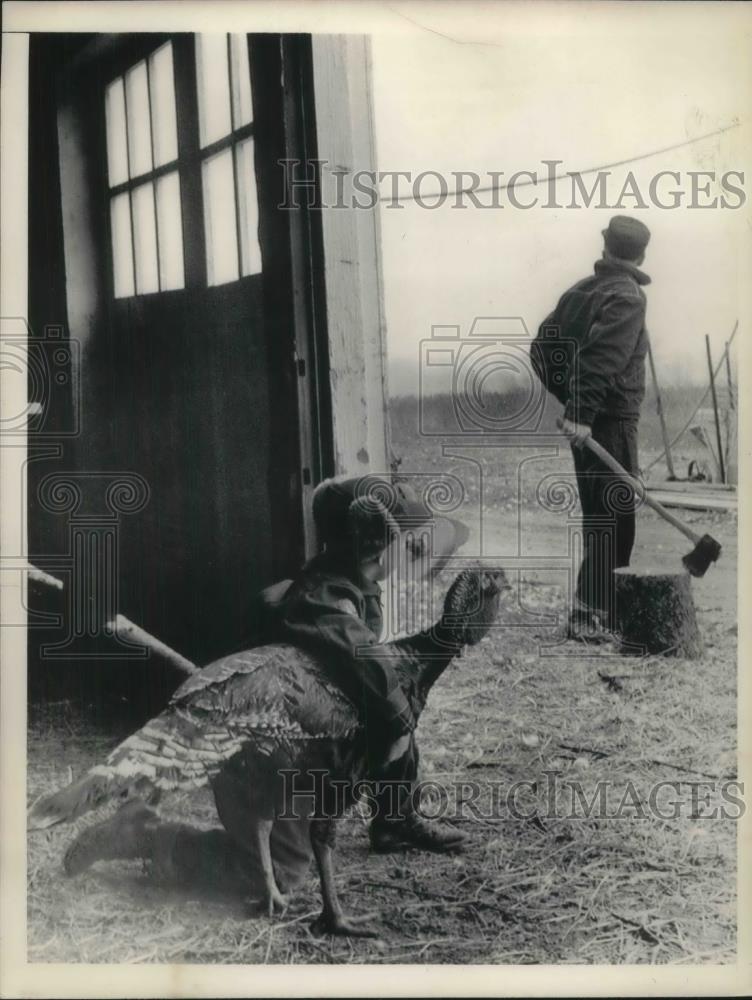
pixel 333 500
pixel 626 237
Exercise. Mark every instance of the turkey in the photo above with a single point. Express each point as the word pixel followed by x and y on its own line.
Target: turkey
pixel 274 709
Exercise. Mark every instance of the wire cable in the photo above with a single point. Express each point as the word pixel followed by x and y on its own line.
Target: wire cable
pixel 569 173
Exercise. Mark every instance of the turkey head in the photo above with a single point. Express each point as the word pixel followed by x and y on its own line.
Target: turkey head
pixel 471 605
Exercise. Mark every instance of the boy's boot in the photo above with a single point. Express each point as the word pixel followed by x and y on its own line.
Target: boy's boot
pixel 126 835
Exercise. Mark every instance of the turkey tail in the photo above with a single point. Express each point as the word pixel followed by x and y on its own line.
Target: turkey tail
pixel 170 752
pixel 97 787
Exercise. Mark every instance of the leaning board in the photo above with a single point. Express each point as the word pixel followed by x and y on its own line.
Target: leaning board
pixel 695 501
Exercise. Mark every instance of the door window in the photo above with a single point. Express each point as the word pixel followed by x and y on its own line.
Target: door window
pixel 143 176
pixel 147 157
pixel 228 177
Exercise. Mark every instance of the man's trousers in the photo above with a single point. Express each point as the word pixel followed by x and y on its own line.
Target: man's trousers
pixel 608 516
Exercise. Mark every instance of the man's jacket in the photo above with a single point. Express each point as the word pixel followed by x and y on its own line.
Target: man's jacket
pixel 324 612
pixel 605 316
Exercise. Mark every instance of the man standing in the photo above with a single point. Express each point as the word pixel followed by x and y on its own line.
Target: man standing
pixel 603 316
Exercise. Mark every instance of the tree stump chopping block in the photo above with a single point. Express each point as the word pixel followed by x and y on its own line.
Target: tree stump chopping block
pixel 655 613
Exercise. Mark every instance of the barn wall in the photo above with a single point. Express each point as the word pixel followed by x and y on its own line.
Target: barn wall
pixel 352 260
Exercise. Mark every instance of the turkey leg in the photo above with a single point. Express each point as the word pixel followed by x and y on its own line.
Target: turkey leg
pixel 274 900
pixel 332 920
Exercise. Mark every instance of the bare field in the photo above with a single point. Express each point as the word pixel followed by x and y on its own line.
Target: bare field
pixel 627 884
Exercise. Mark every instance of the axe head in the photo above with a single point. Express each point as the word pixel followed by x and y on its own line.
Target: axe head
pixel 702 555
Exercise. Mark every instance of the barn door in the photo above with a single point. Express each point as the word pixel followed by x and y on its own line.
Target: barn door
pixel 191 376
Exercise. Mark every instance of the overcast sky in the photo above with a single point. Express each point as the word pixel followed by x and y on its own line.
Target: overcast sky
pixel 587 86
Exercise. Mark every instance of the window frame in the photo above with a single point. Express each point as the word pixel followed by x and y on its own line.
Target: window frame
pixel 230 141
pixel 128 60
pixel 189 163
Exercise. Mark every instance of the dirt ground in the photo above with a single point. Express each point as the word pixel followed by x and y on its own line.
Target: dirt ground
pixel 637 881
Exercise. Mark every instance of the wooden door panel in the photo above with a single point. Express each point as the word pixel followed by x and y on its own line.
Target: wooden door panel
pixel 194 414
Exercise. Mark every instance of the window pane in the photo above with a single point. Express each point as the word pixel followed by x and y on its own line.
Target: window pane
pixel 117 153
pixel 162 87
pixel 250 249
pixel 139 128
pixel 170 232
pixel 122 247
pixel 219 219
pixel 213 87
pixel 242 105
pixel 145 239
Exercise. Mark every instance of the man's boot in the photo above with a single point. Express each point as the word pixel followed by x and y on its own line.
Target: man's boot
pixel 589 627
pixel 126 835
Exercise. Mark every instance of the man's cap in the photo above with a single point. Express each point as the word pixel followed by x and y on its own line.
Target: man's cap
pixel 342 505
pixel 626 237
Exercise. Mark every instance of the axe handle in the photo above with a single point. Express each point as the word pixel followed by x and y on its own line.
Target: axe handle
pixel 640 489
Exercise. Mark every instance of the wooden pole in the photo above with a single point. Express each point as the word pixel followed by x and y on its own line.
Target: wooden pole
pixel 721 463
pixel 693 414
pixel 661 417
pixel 123 627
pixel 732 402
pixel 730 417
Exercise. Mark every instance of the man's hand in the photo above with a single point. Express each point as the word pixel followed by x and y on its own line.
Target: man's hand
pixel 577 433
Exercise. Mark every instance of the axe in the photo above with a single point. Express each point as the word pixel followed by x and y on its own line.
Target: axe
pixel 706 550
